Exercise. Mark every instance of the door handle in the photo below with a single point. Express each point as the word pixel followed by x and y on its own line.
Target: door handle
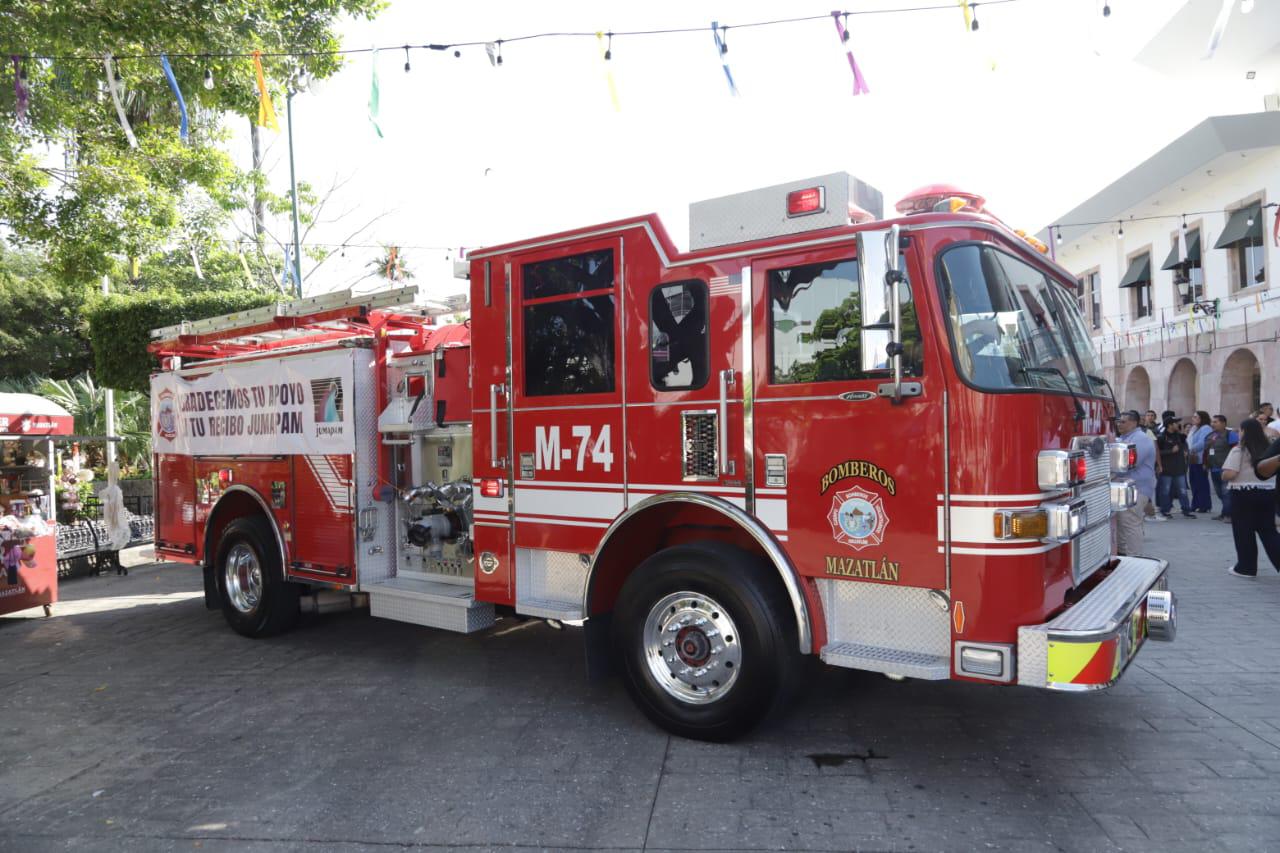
pixel 726 379
pixel 494 459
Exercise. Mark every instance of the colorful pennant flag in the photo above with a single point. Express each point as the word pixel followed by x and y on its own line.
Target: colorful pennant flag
pixel 20 94
pixel 115 99
pixel 1275 229
pixel 1219 27
pixel 721 50
pixel 373 94
pixel 968 14
pixel 607 53
pixel 266 110
pixel 182 104
pixel 859 83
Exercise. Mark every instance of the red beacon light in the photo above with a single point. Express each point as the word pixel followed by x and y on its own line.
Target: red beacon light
pixel 806 201
pixel 940 198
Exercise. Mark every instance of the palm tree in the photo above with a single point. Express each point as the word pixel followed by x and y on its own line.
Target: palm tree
pixel 86 401
pixel 390 265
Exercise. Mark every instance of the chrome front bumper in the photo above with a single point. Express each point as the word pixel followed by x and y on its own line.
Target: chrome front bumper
pixel 1089 645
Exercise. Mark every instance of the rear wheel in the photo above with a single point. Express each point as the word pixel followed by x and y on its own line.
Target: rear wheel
pixel 256 599
pixel 705 639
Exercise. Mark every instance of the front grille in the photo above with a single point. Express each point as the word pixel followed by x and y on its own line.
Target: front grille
pixel 1093 547
pixel 1090 550
pixel 699 442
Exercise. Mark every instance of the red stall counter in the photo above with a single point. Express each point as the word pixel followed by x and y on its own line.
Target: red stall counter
pixel 30 582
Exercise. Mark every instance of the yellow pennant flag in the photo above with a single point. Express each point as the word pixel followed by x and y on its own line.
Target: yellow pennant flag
pixel 607 53
pixel 266 110
pixel 968 15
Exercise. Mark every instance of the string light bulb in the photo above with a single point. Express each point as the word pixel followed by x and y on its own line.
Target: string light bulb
pixel 1059 229
pixel 1106 10
pixel 406 59
pixel 208 79
pixel 845 35
pixel 973 26
pixel 1184 223
pixel 608 51
pixel 499 51
pixel 724 40
pixel 1249 222
pixel 1121 224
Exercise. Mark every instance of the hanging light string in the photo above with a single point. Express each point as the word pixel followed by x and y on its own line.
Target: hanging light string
pixel 1056 228
pixel 585 34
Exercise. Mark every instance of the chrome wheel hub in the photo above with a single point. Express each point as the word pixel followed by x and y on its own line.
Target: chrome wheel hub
pixel 243 576
pixel 692 647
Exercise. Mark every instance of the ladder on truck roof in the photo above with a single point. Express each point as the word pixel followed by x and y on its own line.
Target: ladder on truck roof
pixel 314 319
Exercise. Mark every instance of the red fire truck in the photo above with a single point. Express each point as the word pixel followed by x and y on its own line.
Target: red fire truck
pixel 886 443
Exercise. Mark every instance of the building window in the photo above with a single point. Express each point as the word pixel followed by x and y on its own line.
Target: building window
pixel 1246 248
pixel 1137 279
pixel 1185 265
pixel 679 346
pixel 568 312
pixel 815 321
pixel 1089 292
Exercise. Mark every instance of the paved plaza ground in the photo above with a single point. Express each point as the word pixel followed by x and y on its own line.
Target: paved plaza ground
pixel 134 719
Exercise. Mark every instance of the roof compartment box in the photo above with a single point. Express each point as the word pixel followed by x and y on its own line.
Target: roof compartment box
pixel 805 205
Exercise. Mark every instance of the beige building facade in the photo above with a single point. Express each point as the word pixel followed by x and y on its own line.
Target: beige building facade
pixel 1175 269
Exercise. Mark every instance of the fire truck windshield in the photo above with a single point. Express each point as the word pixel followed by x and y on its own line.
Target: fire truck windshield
pixel 1011 331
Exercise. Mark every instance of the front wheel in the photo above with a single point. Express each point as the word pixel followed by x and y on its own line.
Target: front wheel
pixel 706 640
pixel 256 599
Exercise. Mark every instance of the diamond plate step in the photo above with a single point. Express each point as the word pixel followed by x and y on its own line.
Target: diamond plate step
pixel 547 608
pixel 436 605
pixel 893 661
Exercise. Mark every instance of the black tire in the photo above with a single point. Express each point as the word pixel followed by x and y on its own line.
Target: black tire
pixel 765 664
pixel 270 607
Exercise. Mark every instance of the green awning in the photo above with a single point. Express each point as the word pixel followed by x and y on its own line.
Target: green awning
pixel 1139 272
pixel 1239 230
pixel 1193 252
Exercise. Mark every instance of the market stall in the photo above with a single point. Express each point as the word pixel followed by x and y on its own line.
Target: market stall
pixel 29 426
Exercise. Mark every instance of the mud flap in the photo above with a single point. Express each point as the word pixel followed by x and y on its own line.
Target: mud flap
pixel 598 644
pixel 211 599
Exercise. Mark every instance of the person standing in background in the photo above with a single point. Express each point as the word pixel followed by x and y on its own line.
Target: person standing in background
pixel 1129 534
pixel 1216 447
pixel 1252 501
pixel 1171 446
pixel 1197 473
pixel 1149 422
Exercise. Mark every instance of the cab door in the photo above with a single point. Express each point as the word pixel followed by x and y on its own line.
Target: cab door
pixel 566 395
pixel 860 475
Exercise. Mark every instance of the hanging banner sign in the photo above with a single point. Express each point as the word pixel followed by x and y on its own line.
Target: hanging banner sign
pixel 268 407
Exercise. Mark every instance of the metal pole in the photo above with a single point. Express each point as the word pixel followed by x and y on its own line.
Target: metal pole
pixel 111 395
pixel 293 195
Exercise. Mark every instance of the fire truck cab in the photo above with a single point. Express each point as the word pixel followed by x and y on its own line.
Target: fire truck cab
pixel 886 443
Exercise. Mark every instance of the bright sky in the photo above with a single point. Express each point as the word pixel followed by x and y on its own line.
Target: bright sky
pixel 1037 111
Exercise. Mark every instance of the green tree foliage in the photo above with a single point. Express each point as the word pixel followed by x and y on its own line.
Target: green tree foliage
pixel 86 401
pixel 120 328
pixel 104 199
pixel 41 327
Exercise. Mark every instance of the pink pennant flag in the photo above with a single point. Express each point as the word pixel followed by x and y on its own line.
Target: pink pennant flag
pixel 859 82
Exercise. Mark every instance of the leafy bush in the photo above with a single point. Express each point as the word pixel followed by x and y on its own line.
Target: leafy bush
pixel 120 328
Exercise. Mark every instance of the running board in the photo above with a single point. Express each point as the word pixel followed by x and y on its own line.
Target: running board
pixel 435 605
pixel 891 661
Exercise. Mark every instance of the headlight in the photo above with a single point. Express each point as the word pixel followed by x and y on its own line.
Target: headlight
pixel 1061 469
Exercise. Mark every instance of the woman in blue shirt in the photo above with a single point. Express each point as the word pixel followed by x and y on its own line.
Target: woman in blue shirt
pixel 1197 472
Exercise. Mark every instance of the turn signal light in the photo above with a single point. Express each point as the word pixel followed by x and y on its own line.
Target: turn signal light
pixel 1021 524
pixel 491 488
pixel 809 200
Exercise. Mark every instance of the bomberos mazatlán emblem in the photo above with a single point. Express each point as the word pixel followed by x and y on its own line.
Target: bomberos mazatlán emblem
pixel 858 518
pixel 166 416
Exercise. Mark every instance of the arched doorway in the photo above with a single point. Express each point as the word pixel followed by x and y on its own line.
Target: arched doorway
pixel 1182 388
pixel 1241 385
pixel 1137 390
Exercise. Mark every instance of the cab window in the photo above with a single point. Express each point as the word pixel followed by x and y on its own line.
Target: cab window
pixel 568 314
pixel 815 320
pixel 679 348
